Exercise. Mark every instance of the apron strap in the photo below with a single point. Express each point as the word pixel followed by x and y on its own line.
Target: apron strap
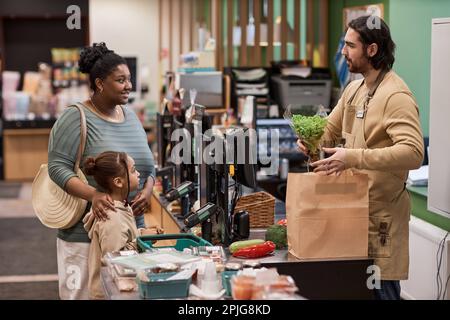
pixel 371 93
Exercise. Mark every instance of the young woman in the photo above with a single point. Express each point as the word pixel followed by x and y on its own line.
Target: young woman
pixel 110 126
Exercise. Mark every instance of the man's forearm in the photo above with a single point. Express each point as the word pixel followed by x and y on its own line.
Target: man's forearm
pixel 398 157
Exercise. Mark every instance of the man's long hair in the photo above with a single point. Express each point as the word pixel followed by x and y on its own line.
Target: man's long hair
pixel 379 33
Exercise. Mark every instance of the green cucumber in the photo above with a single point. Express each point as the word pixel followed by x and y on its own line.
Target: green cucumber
pixel 244 244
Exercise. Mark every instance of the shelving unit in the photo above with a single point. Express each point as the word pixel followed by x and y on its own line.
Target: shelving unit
pixel 234 95
pixel 67 81
pixel 27 34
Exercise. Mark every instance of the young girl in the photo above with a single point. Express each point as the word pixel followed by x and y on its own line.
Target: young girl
pixel 116 174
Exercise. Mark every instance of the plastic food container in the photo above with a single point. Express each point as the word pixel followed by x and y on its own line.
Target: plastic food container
pixel 242 287
pixel 160 288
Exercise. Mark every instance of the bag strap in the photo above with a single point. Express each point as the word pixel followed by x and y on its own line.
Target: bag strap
pixel 83 132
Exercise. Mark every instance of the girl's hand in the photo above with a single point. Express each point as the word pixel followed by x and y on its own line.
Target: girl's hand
pixel 101 203
pixel 152 230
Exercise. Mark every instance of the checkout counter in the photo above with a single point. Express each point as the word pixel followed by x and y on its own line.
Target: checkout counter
pixel 315 279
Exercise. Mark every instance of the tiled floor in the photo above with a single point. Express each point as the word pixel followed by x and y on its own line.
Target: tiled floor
pixel 20 207
pixel 27 251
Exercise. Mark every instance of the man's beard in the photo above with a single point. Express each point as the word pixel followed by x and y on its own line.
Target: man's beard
pixel 351 67
pixel 356 68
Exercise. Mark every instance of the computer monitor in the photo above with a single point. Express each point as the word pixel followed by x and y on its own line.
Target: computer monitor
pixel 241 145
pixel 208 86
pixel 188 170
pixel 194 170
pixel 165 127
pixel 204 168
pixel 215 182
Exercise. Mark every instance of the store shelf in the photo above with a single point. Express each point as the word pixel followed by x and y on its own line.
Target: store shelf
pixel 28 124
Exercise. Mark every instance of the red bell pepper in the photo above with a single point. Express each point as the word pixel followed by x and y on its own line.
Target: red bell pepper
pixel 256 251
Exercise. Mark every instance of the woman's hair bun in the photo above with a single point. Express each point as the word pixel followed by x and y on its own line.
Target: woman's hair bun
pixel 89 166
pixel 90 55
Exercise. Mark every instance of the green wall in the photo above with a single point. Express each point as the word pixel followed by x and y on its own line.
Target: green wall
pixel 410 22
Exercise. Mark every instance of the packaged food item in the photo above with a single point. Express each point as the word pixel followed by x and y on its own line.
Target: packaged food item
pixel 242 287
pixel 233 266
pixel 282 289
pixel 124 283
pixel 214 253
pixel 116 269
pixel 262 284
pixel 165 267
pixel 254 264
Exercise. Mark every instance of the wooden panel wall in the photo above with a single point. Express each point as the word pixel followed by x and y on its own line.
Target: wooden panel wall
pixel 249 55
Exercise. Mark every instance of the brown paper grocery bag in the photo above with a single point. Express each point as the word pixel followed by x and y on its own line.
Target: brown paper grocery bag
pixel 327 216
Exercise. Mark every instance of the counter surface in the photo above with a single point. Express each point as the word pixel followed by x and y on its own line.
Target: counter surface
pixel 316 279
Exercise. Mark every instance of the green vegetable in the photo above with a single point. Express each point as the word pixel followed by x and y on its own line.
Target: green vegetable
pixel 310 130
pixel 244 244
pixel 278 235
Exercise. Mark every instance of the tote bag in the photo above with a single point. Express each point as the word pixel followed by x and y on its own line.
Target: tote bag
pixel 54 207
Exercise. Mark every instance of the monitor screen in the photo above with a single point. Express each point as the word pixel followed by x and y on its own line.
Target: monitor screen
pixel 165 127
pixel 244 156
pixel 208 86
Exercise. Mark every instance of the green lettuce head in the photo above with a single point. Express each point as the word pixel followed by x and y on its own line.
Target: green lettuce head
pixel 310 130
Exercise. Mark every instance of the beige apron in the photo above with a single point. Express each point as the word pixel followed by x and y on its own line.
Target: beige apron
pixel 389 203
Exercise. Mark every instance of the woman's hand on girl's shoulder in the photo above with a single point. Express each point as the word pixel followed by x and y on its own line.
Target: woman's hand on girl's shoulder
pixel 101 204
